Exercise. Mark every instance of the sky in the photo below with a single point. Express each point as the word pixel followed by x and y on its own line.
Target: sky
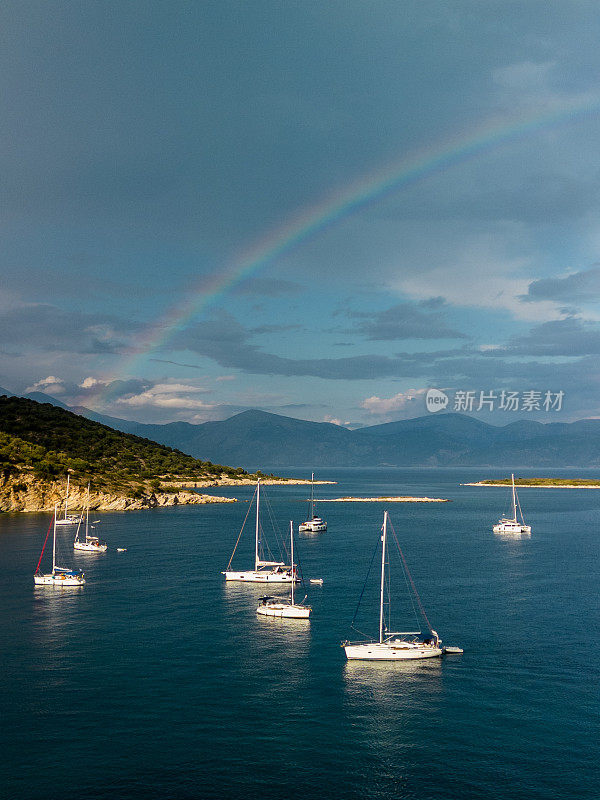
pixel 318 209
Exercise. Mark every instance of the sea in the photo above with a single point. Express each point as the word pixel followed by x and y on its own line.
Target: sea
pixel 158 680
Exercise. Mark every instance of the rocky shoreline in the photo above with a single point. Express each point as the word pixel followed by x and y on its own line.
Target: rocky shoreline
pixel 26 494
pixel 193 483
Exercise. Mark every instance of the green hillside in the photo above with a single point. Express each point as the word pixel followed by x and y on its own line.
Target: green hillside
pixel 48 441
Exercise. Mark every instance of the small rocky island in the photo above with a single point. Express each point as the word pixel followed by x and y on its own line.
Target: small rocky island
pixel 399 499
pixel 543 483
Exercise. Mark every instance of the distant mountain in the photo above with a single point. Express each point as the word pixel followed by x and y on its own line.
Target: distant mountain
pixel 271 442
pixel 40 397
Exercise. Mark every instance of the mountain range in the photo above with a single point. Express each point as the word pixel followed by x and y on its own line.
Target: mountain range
pixel 258 439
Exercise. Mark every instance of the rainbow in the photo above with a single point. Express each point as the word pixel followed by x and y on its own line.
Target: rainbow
pixel 341 204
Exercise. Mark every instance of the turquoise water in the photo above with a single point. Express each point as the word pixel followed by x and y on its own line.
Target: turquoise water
pixel 157 680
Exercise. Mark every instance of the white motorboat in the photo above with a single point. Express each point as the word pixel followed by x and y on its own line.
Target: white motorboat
pixel 60 576
pixel 313 524
pixel 395 646
pixel 279 607
pixel 68 519
pixel 91 544
pixel 265 571
pixel 512 524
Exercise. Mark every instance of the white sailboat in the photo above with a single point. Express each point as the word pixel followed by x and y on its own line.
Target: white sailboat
pixel 91 544
pixel 264 571
pixel 68 519
pixel 313 524
pixel 278 607
pixel 60 576
pixel 396 646
pixel 512 524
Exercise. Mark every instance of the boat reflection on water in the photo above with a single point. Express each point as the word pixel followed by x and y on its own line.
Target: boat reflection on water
pixel 399 676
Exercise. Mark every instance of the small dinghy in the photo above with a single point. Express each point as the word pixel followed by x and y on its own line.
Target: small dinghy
pixel 317 581
pixel 450 651
pixel 121 549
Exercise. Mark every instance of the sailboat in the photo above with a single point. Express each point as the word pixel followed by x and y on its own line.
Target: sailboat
pixel 264 571
pixel 278 607
pixel 396 646
pixel 313 524
pixel 60 576
pixel 91 544
pixel 68 519
pixel 512 524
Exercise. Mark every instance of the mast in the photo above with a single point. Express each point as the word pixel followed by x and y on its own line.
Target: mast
pixel 514 500
pixel 256 558
pixel 54 542
pixel 87 513
pixel 384 542
pixel 67 497
pixel 292 549
pixel 312 495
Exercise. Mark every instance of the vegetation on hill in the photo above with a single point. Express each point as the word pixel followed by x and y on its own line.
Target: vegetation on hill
pixel 48 441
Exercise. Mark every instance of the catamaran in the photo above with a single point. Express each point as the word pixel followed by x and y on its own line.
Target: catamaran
pixel 278 607
pixel 91 544
pixel 264 571
pixel 313 524
pixel 60 576
pixel 512 524
pixel 68 519
pixel 396 646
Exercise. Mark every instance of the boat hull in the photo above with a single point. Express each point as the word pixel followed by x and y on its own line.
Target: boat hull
pixel 312 527
pixel 390 652
pixel 284 610
pixel 58 580
pixel 88 547
pixel 68 521
pixel 511 527
pixel 259 576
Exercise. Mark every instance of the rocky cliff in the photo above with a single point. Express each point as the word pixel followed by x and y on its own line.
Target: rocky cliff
pixel 26 493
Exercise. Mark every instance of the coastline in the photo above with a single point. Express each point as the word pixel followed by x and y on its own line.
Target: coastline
pixel 25 494
pixel 201 484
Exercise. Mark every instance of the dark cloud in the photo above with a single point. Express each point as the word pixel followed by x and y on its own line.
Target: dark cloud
pixel 579 287
pixel 404 321
pixel 45 327
pixel 225 341
pixel 572 336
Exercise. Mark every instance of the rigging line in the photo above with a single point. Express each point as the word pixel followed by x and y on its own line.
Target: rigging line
pixel 298 562
pixel 278 539
pixel 242 530
pixel 365 583
pixel 44 547
pixel 412 583
pixel 520 510
pixel 411 597
pixel 415 611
